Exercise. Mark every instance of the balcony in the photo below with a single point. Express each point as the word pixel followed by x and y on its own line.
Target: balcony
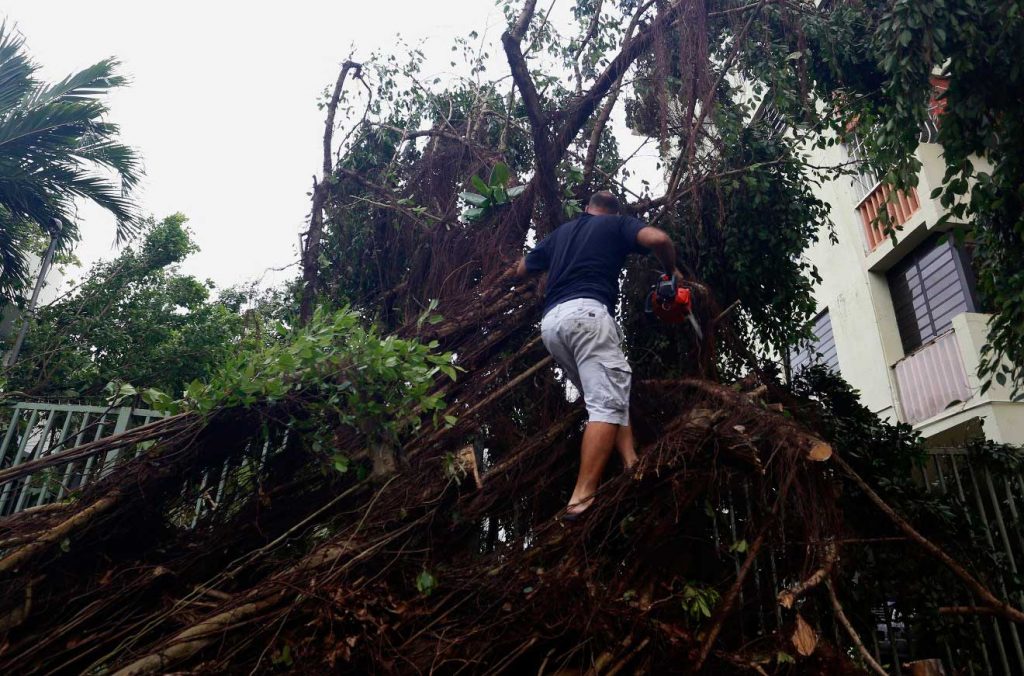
pixel 932 379
pixel 901 207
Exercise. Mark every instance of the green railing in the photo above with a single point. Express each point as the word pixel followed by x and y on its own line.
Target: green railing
pixel 32 431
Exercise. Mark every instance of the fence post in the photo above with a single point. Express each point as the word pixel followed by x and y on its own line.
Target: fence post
pixel 12 426
pixel 124 414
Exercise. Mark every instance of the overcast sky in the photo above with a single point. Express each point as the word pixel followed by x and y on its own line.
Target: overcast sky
pixel 222 104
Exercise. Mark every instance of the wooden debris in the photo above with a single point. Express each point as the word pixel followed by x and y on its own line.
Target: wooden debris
pixel 467 461
pixel 930 667
pixel 804 638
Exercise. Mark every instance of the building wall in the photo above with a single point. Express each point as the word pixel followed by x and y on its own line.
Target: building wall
pixel 855 291
pixel 51 290
pixel 849 293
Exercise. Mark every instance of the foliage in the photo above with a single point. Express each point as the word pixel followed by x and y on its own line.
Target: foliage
pixel 56 147
pixel 397 250
pixel 699 601
pixel 490 194
pixel 881 66
pixel 136 319
pixel 339 372
pixel 891 457
pixel 743 235
pixel 426 583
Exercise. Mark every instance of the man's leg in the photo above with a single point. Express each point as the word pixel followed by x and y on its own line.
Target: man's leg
pixel 624 445
pixel 599 439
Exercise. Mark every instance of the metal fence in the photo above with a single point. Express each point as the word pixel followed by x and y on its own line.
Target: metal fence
pixel 992 503
pixel 35 430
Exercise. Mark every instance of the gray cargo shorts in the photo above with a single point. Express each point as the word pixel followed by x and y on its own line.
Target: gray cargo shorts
pixel 585 341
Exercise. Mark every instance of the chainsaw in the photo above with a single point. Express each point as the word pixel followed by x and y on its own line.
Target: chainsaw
pixel 672 303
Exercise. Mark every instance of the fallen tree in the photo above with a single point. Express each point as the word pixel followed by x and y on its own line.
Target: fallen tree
pixel 385 512
pixel 424 568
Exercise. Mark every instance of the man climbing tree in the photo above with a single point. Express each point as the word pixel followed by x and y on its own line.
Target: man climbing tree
pixel 583 259
pixel 250 534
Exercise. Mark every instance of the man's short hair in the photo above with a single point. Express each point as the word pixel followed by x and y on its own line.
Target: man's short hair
pixel 605 201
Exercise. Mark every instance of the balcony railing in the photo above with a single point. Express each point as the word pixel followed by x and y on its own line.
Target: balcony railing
pixel 931 379
pixel 902 206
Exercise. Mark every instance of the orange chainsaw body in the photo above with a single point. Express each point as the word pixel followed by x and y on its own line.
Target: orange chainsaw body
pixel 675 310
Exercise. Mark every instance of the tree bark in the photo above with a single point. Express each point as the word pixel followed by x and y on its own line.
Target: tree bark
pixel 321 191
pixel 837 608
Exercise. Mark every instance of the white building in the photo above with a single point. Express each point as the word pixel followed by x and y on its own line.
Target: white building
pixel 902 322
pixel 9 313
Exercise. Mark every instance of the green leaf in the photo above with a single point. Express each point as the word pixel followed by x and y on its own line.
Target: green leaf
pixel 340 463
pixel 739 546
pixel 473 198
pixel 425 582
pixel 479 184
pixel 474 214
pixel 516 191
pixel 155 398
pixel 499 174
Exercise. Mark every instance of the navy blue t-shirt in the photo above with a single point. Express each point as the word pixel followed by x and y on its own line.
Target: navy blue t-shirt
pixel 584 258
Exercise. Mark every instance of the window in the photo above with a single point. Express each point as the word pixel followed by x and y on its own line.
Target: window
pixel 771 116
pixel 821 350
pixel 936 108
pixel 864 181
pixel 929 287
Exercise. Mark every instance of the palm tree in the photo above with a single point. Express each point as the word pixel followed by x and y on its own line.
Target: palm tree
pixel 56 146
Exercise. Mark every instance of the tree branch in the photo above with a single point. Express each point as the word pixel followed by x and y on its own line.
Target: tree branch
pixel 787 597
pixel 1002 608
pixel 597 133
pixel 311 252
pixel 518 29
pixel 729 600
pixel 837 608
pixel 545 159
pixel 595 21
pixel 687 154
pixel 577 116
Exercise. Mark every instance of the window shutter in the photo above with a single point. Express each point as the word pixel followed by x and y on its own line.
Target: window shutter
pixel 929 287
pixel 821 350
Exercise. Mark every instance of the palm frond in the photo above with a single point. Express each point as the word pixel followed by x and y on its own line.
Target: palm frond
pixel 16 70
pixel 53 139
pixel 56 125
pixel 14 273
pixel 102 150
pixel 87 85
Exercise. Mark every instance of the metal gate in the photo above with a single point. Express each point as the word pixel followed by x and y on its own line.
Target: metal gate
pixel 35 430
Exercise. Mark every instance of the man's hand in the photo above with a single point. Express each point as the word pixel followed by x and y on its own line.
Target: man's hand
pixel 519 273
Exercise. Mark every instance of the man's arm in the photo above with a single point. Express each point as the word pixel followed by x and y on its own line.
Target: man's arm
pixel 535 261
pixel 661 246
